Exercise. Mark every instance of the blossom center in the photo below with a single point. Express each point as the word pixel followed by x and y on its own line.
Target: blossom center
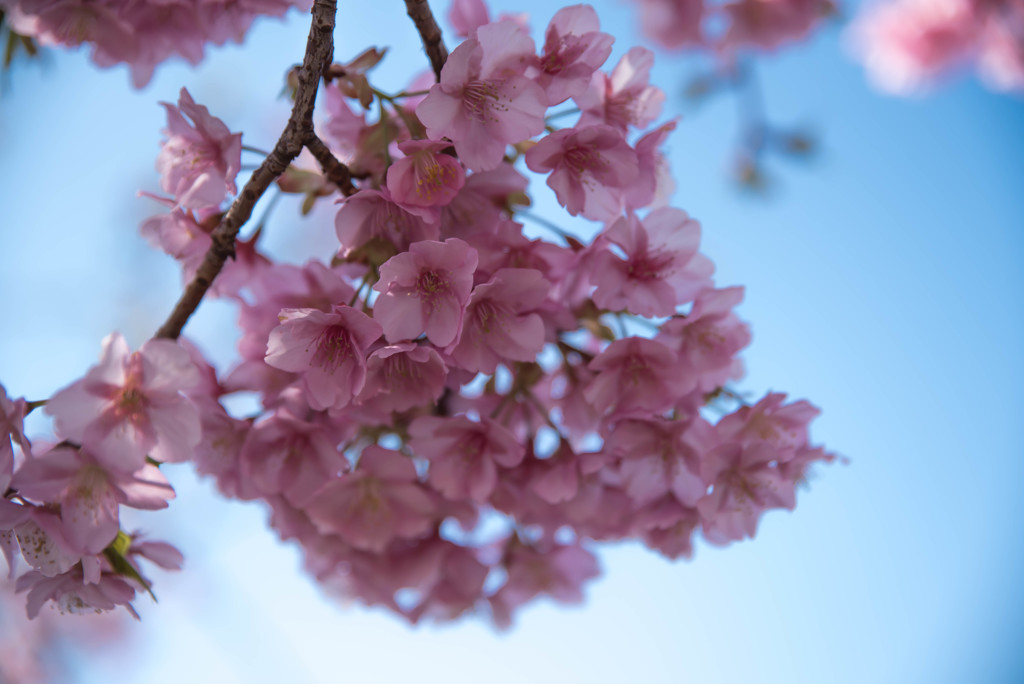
pixel 333 346
pixel 479 98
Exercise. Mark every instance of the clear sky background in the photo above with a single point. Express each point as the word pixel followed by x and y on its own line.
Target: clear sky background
pixel 884 283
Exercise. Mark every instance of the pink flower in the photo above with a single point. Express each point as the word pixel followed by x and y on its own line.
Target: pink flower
pixel 662 269
pixel 131 405
pixel 328 349
pixel 199 161
pixel 483 102
pixel 625 98
pixel 463 454
pixel 746 481
pixel 908 43
pixel 377 502
pixel 74 594
pixel 89 496
pixel 40 535
pixel 668 527
pixel 662 457
pixel 402 376
pixel 673 23
pixel 425 290
pixel 655 185
pixel 425 176
pixel 591 168
pixel 768 24
pixel 709 337
pixel 372 219
pixel 481 203
pixel 500 323
pixel 290 456
pixel 466 16
pixel 574 48
pixel 558 572
pixel 784 427
pixel 12 416
pixel 635 373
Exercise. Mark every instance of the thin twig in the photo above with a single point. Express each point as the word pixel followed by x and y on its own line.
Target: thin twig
pixel 335 171
pixel 298 132
pixel 430 33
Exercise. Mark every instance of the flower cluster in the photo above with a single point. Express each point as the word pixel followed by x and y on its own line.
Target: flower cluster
pixel 908 44
pixel 731 26
pixel 140 34
pixel 451 412
pixel 60 510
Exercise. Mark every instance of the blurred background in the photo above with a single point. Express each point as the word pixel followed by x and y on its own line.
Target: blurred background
pixel 884 283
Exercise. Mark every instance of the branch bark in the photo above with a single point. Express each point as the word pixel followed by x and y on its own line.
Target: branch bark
pixel 334 170
pixel 297 133
pixel 430 33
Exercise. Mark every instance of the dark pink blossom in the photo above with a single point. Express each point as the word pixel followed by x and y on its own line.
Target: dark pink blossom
pixel 199 160
pixel 403 375
pixel 289 456
pixel 483 102
pixel 328 349
pixel 768 24
pixel 709 337
pixel 558 572
pixel 591 168
pixel 783 426
pixel 500 323
pixel 574 48
pixel 746 481
pixel 625 98
pixel 464 455
pixel 662 457
pixel 662 269
pixel 425 290
pixel 372 216
pixel 131 405
pixel 673 23
pixel 379 501
pixel 654 185
pixel 635 373
pixel 425 176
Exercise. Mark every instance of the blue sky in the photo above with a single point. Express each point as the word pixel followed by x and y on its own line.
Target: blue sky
pixel 883 283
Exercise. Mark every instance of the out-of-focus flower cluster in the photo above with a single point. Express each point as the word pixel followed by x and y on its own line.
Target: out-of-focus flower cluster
pixel 908 45
pixel 451 413
pixel 140 33
pixel 731 26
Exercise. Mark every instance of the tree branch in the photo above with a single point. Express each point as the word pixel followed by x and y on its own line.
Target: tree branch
pixel 298 131
pixel 430 33
pixel 335 171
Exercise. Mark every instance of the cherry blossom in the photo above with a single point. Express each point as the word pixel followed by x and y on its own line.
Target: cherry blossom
pixel 591 168
pixel 625 98
pixel 425 176
pixel 328 349
pixel 483 102
pixel 199 160
pixel 131 405
pixel 425 291
pixel 574 48
pixel 501 323
pixel 662 269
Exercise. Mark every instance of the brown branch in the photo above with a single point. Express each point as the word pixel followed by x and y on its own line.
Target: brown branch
pixel 298 131
pixel 335 171
pixel 430 33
